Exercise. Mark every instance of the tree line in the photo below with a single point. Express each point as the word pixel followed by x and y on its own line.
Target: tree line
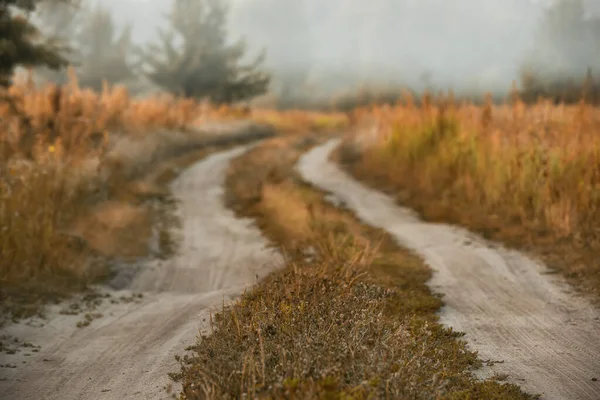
pixel 565 57
pixel 192 56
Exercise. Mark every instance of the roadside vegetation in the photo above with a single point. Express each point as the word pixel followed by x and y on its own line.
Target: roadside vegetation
pixel 83 178
pixel 526 175
pixel 73 185
pixel 84 163
pixel 349 316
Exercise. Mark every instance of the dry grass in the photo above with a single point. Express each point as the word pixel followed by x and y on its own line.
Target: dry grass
pixel 301 122
pixel 526 175
pixel 349 317
pixel 65 152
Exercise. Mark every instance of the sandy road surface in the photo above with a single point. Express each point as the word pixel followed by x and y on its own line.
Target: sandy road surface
pixel 547 339
pixel 128 353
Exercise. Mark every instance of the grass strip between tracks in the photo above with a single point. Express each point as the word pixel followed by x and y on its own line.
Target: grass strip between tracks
pixel 348 317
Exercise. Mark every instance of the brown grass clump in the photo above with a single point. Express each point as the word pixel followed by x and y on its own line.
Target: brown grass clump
pixel 349 317
pixel 301 122
pixel 527 175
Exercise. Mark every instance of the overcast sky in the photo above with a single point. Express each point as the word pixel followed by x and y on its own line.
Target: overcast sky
pixel 461 43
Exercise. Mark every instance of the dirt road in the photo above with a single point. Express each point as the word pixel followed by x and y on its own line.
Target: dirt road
pixel 128 353
pixel 544 338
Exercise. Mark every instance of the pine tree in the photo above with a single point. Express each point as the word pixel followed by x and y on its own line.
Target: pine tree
pixel 21 42
pixel 95 47
pixel 564 55
pixel 103 52
pixel 59 21
pixel 194 59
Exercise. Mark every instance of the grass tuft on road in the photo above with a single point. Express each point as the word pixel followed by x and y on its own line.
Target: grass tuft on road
pixel 348 317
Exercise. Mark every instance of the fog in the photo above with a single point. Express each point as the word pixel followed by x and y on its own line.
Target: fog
pixel 333 45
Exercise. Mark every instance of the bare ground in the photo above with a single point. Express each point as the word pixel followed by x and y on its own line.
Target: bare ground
pixel 129 350
pixel 526 322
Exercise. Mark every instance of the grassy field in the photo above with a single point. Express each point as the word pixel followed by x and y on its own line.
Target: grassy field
pixel 73 187
pixel 80 173
pixel 349 317
pixel 526 175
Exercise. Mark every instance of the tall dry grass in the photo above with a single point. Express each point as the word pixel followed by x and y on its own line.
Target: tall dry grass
pixel 527 174
pixel 48 136
pixel 301 121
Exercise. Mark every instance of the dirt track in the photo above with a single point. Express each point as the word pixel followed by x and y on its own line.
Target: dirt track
pixel 546 339
pixel 128 353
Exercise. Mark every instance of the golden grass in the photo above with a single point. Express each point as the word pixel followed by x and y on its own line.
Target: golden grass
pixel 301 122
pixel 529 175
pixel 55 168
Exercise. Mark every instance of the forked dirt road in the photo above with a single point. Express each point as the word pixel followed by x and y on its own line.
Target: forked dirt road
pixel 546 340
pixel 128 353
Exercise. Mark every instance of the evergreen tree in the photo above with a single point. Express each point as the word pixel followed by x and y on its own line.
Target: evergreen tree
pixel 103 52
pixel 60 22
pixel 565 54
pixel 565 39
pixel 95 47
pixel 194 59
pixel 21 42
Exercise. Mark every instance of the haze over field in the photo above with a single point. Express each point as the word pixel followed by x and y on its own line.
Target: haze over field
pixel 306 212
pixel 470 45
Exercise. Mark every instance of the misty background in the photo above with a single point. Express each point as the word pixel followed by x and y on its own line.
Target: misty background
pixel 324 47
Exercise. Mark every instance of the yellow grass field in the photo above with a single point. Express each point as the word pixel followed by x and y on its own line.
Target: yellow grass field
pixel 55 164
pixel 53 144
pixel 525 174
